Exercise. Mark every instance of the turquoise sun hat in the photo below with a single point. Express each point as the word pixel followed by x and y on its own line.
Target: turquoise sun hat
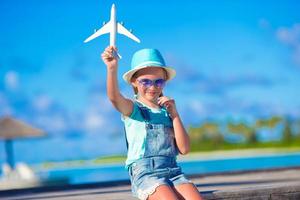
pixel 147 58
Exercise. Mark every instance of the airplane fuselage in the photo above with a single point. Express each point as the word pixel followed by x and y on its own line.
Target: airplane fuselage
pixel 113 32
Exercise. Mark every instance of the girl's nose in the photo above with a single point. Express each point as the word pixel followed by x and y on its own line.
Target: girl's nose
pixel 152 87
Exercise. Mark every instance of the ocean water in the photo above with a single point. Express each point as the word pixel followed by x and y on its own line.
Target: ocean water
pixel 96 174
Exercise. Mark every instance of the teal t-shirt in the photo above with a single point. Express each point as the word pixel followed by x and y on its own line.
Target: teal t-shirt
pixel 136 131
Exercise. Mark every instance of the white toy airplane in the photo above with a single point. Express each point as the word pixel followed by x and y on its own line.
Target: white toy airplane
pixel 113 27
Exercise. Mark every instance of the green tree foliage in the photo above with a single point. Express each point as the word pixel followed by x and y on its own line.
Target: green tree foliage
pixel 297 128
pixel 271 123
pixel 208 134
pixel 287 135
pixel 242 128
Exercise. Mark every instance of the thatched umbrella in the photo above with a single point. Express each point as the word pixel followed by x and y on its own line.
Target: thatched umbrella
pixel 11 129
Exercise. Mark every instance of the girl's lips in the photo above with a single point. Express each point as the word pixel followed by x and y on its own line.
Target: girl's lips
pixel 152 93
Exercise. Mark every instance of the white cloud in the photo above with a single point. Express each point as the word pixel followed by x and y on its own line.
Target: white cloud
pixel 290 36
pixel 58 123
pixel 42 103
pixel 197 107
pixel 53 124
pixel 11 80
pixel 100 116
pixel 192 111
pixel 94 121
pixel 5 108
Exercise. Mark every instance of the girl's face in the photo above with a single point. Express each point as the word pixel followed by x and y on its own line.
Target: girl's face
pixel 149 83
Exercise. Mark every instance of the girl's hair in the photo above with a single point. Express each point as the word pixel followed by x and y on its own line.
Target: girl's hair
pixel 134 76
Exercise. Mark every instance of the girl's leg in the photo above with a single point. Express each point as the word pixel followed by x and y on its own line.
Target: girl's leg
pixel 163 192
pixel 187 191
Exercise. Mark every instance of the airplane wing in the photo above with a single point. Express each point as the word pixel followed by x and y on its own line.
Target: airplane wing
pixel 122 30
pixel 103 30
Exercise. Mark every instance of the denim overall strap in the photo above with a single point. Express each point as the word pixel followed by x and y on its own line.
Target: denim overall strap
pixel 144 111
pixel 160 140
pixel 126 138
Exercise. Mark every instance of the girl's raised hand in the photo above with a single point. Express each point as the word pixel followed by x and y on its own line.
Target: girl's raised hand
pixel 108 57
pixel 169 104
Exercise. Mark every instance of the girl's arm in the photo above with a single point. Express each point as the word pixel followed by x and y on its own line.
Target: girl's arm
pixel 181 137
pixel 123 105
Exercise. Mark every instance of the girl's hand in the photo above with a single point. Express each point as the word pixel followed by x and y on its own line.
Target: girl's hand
pixel 169 104
pixel 107 56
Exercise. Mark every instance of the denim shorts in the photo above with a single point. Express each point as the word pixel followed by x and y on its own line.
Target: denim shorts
pixel 147 174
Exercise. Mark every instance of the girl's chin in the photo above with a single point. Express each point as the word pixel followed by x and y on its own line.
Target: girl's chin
pixel 152 98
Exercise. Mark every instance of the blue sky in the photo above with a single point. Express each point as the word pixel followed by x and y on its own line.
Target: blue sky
pixel 233 60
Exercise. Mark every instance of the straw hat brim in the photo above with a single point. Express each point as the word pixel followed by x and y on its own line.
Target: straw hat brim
pixel 128 75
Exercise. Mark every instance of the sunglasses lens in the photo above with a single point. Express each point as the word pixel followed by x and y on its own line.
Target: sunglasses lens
pixel 160 83
pixel 146 82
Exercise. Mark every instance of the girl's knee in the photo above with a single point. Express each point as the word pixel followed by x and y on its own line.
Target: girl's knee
pixel 188 191
pixel 163 192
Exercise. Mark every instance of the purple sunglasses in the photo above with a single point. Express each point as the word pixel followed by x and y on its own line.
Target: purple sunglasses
pixel 159 83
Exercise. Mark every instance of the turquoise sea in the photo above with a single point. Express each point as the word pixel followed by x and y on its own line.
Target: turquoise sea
pixel 117 172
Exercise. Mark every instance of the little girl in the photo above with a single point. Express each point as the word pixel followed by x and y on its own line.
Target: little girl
pixel 154 131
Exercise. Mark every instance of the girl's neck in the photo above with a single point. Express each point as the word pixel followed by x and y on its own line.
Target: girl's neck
pixel 148 103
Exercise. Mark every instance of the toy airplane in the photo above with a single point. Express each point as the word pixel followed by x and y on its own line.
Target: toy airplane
pixel 113 27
